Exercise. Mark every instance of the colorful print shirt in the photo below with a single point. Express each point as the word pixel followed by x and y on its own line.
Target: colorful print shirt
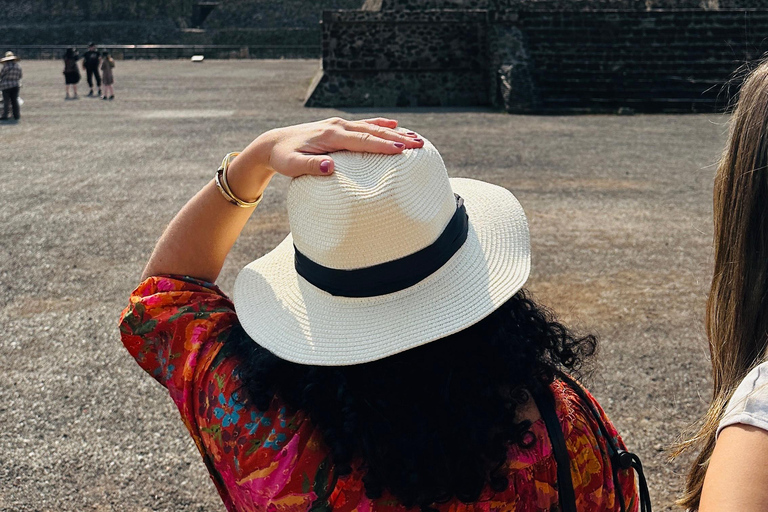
pixel 175 327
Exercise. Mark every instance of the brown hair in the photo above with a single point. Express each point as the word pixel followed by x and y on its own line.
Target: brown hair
pixel 736 319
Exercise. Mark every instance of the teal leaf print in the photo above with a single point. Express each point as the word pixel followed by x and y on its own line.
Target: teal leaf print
pixel 321 477
pixel 219 380
pixel 145 328
pixel 134 321
pixel 199 312
pixel 254 445
pixel 322 486
pixel 214 431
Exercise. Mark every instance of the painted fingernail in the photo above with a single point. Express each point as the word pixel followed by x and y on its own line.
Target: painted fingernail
pixel 418 140
pixel 325 166
pixel 411 134
pixel 399 145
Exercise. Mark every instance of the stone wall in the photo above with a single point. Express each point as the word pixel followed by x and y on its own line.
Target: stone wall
pixel 376 59
pixel 228 14
pixel 535 60
pixel 244 22
pixel 650 61
pixel 561 5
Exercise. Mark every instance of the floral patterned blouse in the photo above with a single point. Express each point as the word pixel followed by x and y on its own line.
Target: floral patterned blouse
pixel 175 328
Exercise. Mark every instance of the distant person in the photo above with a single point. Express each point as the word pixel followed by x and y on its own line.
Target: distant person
pixel 91 67
pixel 107 63
pixel 71 73
pixel 10 83
pixel 385 355
pixel 730 472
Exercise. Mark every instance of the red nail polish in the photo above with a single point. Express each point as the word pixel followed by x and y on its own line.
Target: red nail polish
pixel 399 145
pixel 418 140
pixel 411 134
pixel 325 166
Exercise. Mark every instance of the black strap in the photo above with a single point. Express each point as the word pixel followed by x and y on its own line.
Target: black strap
pixel 390 276
pixel 546 404
pixel 620 459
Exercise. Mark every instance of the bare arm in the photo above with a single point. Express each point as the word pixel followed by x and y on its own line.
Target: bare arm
pixel 198 239
pixel 737 476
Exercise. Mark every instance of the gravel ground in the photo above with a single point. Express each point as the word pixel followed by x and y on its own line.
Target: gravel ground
pixel 620 215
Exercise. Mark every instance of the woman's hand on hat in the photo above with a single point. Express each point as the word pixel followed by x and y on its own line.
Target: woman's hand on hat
pixel 201 235
pixel 304 149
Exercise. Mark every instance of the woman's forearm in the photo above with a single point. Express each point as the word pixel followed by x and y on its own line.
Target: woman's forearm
pixel 199 238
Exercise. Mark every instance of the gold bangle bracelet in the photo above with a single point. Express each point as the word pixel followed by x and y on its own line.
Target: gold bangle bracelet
pixel 223 185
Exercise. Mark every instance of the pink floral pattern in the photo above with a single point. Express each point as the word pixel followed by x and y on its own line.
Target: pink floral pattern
pixel 176 329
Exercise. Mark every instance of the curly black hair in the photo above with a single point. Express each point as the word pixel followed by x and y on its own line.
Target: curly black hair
pixel 431 423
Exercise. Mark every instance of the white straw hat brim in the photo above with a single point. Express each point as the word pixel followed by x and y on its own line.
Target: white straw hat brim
pixel 296 321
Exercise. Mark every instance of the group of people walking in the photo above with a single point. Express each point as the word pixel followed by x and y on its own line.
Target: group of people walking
pixel 97 65
pixel 98 68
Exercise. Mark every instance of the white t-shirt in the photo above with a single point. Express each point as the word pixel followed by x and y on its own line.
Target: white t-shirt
pixel 749 404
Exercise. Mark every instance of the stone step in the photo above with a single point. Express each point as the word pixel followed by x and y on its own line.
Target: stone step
pixel 648 105
pixel 679 77
pixel 641 69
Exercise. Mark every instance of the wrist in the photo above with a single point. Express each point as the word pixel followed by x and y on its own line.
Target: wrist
pixel 250 173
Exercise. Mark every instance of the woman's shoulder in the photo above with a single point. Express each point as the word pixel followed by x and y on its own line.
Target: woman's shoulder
pixel 170 320
pixel 749 403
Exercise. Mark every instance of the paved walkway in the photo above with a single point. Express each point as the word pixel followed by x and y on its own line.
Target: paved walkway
pixel 620 214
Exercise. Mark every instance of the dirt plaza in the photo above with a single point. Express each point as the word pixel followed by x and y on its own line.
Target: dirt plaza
pixel 619 209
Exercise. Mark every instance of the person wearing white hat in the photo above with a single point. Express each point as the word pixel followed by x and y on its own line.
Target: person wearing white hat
pixel 10 83
pixel 384 355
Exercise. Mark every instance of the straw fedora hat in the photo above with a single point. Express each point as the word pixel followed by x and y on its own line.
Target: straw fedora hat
pixel 384 255
pixel 9 56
